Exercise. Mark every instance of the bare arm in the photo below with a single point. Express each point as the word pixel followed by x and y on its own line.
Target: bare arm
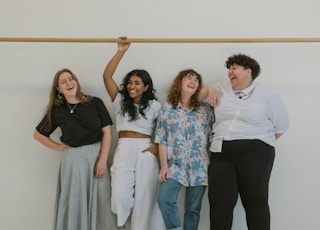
pixel 278 135
pixel 163 175
pixel 111 67
pixel 48 142
pixel 152 149
pixel 101 166
pixel 211 93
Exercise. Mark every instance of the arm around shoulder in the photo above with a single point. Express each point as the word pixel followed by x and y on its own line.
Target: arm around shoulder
pixel 211 93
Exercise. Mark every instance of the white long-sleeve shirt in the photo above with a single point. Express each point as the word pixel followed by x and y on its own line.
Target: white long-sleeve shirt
pixel 259 115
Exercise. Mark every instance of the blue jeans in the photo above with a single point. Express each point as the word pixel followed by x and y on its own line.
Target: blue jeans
pixel 167 198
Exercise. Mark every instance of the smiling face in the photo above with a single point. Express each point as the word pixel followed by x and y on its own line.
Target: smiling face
pixel 136 88
pixel 240 78
pixel 67 85
pixel 190 84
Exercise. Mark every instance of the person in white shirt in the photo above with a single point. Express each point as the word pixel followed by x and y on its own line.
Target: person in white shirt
pixel 248 120
pixel 135 167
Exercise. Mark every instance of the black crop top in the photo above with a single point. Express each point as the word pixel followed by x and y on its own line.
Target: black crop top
pixel 82 127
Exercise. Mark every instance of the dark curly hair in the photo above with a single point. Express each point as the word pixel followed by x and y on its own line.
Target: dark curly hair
pixel 245 61
pixel 174 93
pixel 127 104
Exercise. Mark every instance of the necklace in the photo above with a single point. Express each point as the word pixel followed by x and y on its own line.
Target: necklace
pixel 72 109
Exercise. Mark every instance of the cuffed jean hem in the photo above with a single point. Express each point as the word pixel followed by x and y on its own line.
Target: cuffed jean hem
pixel 178 228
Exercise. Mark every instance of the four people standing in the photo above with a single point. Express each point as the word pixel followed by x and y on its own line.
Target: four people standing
pixel 248 120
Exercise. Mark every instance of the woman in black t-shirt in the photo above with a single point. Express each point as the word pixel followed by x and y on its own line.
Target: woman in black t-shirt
pixel 83 190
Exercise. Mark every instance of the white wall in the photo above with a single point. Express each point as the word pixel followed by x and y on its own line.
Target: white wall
pixel 28 171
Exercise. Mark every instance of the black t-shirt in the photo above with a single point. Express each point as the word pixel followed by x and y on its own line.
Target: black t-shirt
pixel 82 127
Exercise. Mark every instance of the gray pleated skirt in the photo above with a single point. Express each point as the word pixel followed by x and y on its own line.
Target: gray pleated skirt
pixel 83 201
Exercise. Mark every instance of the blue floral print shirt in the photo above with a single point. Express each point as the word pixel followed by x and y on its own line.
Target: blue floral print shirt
pixel 187 136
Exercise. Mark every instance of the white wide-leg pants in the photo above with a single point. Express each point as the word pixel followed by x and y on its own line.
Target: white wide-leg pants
pixel 134 185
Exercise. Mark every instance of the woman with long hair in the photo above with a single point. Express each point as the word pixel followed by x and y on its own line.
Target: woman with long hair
pixel 135 165
pixel 183 134
pixel 83 190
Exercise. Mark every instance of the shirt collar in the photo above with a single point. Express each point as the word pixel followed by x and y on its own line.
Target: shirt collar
pixel 180 107
pixel 247 90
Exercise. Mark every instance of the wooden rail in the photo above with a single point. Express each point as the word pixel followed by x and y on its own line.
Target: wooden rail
pixel 161 40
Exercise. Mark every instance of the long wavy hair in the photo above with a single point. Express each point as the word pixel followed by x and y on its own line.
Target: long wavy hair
pixel 174 93
pixel 127 104
pixel 57 99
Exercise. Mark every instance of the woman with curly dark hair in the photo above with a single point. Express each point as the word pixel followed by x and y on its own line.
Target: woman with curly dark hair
pixel 183 134
pixel 135 165
pixel 248 121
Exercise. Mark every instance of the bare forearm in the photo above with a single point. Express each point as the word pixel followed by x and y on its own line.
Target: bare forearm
pixel 111 67
pixel 48 142
pixel 163 155
pixel 110 84
pixel 210 93
pixel 105 143
pixel 203 93
pixel 113 64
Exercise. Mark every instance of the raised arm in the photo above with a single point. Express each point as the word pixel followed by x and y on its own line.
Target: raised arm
pixel 110 84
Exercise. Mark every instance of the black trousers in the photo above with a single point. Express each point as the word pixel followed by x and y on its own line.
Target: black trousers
pixel 242 168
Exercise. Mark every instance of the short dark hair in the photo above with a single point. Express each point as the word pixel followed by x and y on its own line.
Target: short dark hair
pixel 246 61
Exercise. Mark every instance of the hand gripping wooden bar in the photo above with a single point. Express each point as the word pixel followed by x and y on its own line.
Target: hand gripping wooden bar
pixel 161 40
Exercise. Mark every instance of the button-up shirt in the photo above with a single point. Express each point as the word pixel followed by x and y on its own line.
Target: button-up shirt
pixel 260 115
pixel 186 135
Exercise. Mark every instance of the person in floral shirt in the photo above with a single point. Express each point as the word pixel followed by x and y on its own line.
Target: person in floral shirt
pixel 183 133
